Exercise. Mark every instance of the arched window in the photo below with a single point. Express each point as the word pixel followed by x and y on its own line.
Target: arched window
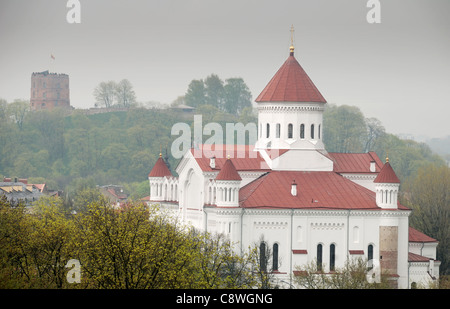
pixel 312 131
pixel 275 257
pixel 262 256
pixel 278 130
pixel 332 256
pixel 290 130
pixel 302 131
pixel 267 130
pixel 319 257
pixel 318 132
pixel 370 256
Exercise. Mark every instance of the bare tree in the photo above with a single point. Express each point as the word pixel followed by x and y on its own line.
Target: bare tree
pixel 353 275
pixel 268 263
pixel 124 93
pixel 104 93
pixel 374 131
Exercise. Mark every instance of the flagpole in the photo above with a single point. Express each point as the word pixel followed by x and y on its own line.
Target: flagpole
pixel 51 66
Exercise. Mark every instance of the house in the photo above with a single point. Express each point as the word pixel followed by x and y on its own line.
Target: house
pixel 18 190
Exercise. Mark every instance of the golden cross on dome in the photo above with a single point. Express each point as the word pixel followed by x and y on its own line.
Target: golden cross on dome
pixel 292 40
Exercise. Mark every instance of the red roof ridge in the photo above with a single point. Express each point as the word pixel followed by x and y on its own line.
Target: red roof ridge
pixel 160 169
pixel 228 172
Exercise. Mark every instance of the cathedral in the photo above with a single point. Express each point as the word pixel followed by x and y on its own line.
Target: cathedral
pixel 288 195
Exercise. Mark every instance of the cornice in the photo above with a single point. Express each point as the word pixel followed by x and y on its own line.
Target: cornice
pixel 290 108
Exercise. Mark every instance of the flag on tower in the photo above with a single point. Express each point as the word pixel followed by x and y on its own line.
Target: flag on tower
pixel 51 56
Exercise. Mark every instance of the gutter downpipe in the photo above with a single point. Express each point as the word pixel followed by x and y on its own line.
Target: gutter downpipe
pixel 348 233
pixel 290 249
pixel 241 232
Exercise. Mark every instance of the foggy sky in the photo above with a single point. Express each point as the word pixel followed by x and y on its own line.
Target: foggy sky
pixel 396 71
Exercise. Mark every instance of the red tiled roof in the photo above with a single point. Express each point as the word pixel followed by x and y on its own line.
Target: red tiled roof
pixel 244 157
pixel 387 175
pixel 315 190
pixel 355 162
pixel 160 169
pixel 290 84
pixel 228 172
pixel 416 236
pixel 412 257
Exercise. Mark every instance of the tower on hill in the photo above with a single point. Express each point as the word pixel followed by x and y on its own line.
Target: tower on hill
pixel 49 90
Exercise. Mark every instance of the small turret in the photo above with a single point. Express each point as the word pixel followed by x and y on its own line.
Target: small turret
pixel 156 179
pixel 387 186
pixel 228 183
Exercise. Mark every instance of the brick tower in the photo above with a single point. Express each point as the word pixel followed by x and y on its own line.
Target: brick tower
pixel 49 90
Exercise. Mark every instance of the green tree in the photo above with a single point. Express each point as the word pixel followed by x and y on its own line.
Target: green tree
pixel 428 196
pixel 196 93
pixel 214 91
pixel 122 248
pixel 344 129
pixel 35 246
pixel 237 96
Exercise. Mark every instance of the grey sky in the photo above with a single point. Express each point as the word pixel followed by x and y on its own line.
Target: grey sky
pixel 397 71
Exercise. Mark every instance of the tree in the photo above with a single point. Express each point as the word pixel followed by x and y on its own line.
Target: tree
pixel 3 110
pixel 35 246
pixel 352 276
pixel 105 93
pixel 375 131
pixel 214 91
pixel 237 96
pixel 267 264
pixel 18 110
pixel 141 247
pixel 196 93
pixel 124 94
pixel 220 267
pixel 50 126
pixel 428 196
pixel 344 129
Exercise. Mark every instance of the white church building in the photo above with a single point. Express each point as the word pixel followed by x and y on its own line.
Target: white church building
pixel 304 203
